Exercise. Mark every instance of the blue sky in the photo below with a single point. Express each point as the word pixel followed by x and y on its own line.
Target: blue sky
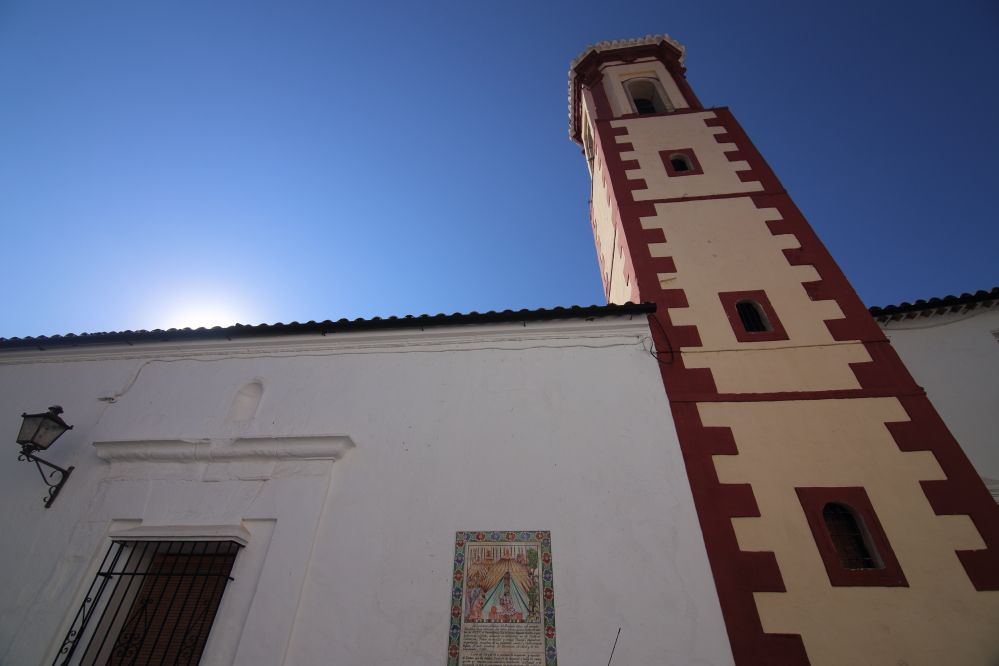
pixel 175 163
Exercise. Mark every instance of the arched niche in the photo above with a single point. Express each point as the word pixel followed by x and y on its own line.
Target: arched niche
pixel 245 402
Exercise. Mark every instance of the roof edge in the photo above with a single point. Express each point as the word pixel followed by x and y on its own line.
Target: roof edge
pixel 940 305
pixel 326 327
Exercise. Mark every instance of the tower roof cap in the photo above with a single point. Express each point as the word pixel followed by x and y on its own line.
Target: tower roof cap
pixel 611 45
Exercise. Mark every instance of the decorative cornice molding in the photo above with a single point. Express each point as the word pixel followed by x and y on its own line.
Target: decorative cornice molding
pixel 236 533
pixel 315 447
pixel 611 44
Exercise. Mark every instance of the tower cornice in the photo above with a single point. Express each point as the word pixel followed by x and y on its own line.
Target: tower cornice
pixel 585 68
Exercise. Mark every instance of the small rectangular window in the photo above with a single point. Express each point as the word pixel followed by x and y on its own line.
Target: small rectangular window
pixel 680 162
pixel 152 602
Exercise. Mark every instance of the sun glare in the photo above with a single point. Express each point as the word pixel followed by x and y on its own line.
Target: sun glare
pixel 204 312
pixel 203 316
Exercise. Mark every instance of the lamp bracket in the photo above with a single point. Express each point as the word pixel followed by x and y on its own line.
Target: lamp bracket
pixel 28 453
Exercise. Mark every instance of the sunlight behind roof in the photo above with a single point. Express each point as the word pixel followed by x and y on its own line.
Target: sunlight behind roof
pixel 198 308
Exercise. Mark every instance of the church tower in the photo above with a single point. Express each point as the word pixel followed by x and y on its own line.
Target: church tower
pixel 843 523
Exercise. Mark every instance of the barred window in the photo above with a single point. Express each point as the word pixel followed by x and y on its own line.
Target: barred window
pixel 152 602
pixel 848 537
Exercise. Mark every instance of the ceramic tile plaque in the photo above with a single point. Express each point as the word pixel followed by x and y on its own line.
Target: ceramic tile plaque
pixel 503 600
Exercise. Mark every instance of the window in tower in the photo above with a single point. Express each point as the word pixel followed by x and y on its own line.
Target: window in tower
pixel 850 539
pixel 680 162
pixel 647 97
pixel 752 317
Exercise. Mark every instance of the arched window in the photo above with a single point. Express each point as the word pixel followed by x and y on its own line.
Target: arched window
pixel 849 537
pixel 646 98
pixel 680 162
pixel 752 317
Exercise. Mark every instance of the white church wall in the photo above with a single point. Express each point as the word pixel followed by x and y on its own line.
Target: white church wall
pixel 955 357
pixel 350 468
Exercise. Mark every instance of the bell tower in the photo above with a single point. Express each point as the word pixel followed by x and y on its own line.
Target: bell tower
pixel 843 523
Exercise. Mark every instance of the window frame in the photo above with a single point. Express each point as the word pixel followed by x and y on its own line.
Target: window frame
pixel 657 88
pixel 130 567
pixel 813 502
pixel 730 301
pixel 687 153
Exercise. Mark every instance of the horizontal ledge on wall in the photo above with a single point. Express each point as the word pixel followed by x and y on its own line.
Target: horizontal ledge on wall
pixel 782 396
pixel 309 447
pixel 236 533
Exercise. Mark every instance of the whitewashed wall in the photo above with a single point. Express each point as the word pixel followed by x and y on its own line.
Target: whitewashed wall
pixel 367 452
pixel 955 357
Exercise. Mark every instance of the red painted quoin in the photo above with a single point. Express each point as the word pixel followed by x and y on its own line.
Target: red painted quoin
pixel 627 159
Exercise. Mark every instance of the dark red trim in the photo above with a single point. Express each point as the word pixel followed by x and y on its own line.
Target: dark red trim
pixel 688 153
pixel 679 73
pixel 730 301
pixel 780 396
pixel 601 103
pixel 813 501
pixel 701 197
pixel 745 151
pixel 739 574
pixel 961 492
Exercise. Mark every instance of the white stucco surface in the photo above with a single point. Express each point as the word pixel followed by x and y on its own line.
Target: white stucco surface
pixel 955 357
pixel 364 456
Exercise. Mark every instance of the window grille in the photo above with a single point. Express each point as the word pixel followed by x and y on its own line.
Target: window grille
pixel 848 537
pixel 751 316
pixel 151 603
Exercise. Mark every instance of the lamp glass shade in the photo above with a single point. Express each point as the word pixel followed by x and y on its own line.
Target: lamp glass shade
pixel 40 430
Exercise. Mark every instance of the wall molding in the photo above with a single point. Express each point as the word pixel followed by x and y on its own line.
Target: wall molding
pixel 236 533
pixel 308 447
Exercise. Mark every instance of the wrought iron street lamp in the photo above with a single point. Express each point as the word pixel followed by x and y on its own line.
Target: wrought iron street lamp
pixel 38 432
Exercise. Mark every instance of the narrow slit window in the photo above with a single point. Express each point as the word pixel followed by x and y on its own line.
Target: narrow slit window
pixel 752 317
pixel 849 538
